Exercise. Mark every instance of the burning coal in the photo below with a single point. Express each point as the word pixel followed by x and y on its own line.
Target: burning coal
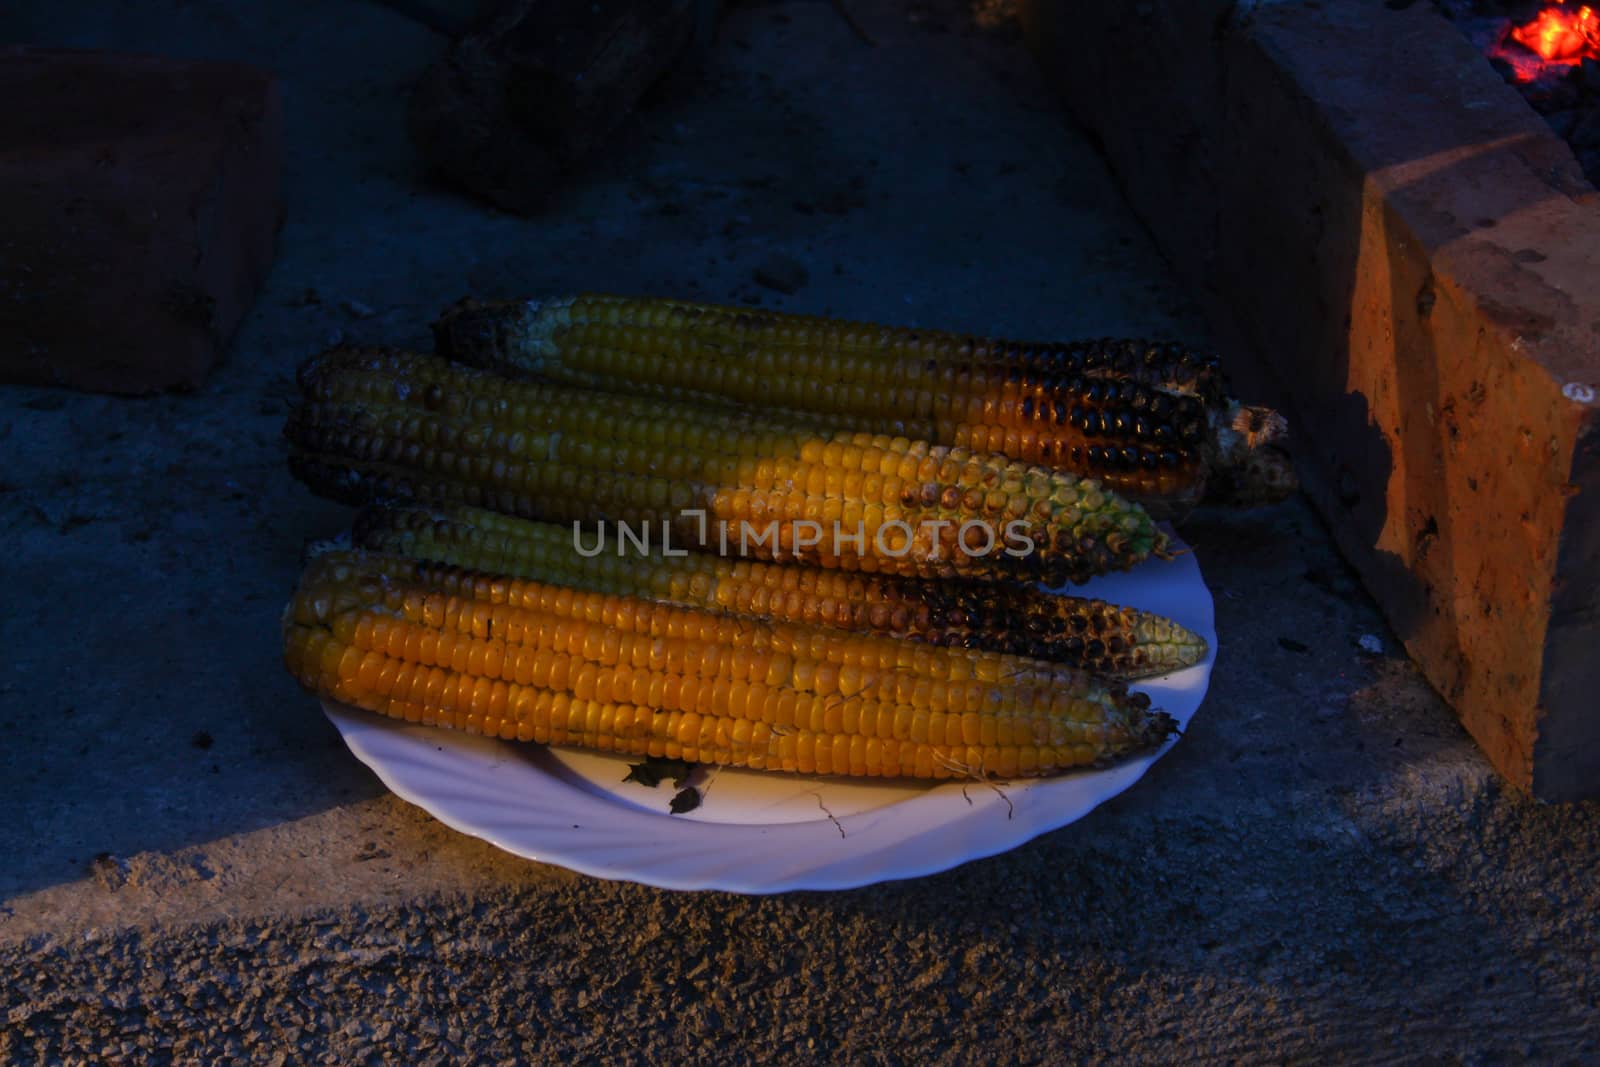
pixel 1560 36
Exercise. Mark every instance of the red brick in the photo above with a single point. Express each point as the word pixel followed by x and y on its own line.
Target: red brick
pixel 139 203
pixel 1402 252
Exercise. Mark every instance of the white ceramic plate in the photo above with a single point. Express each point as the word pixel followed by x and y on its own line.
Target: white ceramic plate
pixel 755 831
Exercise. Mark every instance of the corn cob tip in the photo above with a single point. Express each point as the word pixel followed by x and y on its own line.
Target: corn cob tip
pixel 1161 547
pixel 1253 465
pixel 1154 729
pixel 317 367
pixel 509 335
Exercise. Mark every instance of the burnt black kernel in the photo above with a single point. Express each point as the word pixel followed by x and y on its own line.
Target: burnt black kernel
pixel 1073 645
pixel 1097 455
pixel 1076 454
pixel 1161 431
pixel 1115 643
pixel 1160 404
pixel 1170 458
pixel 1121 421
pixel 1096 648
pixel 1192 431
pixel 1061 411
pixel 1079 623
pixel 1095 393
pixel 1141 426
pixel 1027 407
pixel 1148 459
pixel 1079 418
pixel 1129 457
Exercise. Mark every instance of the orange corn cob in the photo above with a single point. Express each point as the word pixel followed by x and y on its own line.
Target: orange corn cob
pixel 1151 420
pixel 381 426
pixel 543 663
pixel 999 616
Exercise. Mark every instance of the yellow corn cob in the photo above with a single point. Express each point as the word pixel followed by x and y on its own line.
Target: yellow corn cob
pixel 1151 420
pixel 521 660
pixel 1088 634
pixel 379 426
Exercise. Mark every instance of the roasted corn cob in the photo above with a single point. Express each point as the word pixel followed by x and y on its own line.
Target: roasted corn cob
pixel 382 426
pixel 1150 420
pixel 999 616
pixel 534 662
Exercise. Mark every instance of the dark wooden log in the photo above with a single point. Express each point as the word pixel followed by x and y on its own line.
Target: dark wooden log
pixel 518 103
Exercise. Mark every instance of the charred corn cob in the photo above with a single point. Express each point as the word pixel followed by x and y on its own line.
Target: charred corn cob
pixel 1150 420
pixel 1088 634
pixel 381 426
pixel 543 663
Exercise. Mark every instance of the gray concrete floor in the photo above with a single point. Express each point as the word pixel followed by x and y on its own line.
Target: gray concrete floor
pixel 192 866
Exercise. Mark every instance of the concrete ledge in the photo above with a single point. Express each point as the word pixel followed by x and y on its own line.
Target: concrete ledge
pixel 1397 247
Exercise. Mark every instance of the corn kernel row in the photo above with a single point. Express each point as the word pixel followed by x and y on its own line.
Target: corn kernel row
pixel 1001 617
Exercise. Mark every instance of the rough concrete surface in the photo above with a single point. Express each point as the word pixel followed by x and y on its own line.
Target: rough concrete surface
pixel 193 868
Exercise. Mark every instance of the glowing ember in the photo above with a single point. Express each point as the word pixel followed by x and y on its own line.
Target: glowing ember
pixel 1560 36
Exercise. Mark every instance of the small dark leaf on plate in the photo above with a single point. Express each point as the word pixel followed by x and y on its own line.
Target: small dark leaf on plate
pixel 686 800
pixel 653 769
